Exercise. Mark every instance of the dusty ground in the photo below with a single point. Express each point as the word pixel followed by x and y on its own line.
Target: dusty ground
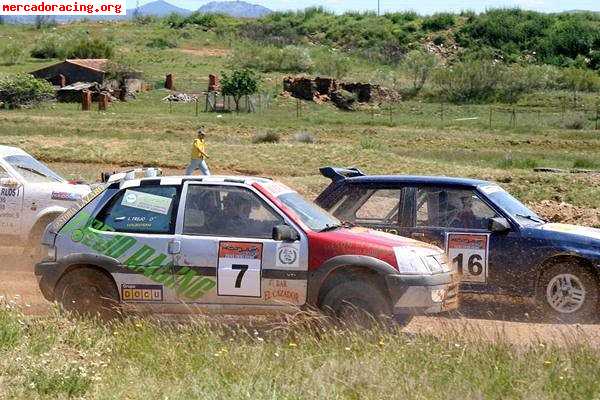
pixel 490 319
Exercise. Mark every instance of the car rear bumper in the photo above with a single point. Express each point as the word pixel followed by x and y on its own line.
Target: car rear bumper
pixel 423 294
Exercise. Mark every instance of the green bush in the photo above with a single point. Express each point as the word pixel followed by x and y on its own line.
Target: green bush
pixel 12 53
pixel 576 122
pixel 266 137
pixel 85 47
pixel 438 22
pixel 333 64
pixel 48 46
pixel 418 67
pixel 162 42
pixel 469 82
pixel 268 58
pixel 24 90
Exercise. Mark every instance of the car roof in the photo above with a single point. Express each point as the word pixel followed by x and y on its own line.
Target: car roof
pixel 417 180
pixel 179 179
pixel 6 151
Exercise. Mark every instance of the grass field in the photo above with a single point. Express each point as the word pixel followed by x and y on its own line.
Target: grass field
pixel 53 357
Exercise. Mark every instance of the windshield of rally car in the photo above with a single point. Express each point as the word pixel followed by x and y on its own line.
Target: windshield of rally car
pixel 32 170
pixel 511 205
pixel 312 215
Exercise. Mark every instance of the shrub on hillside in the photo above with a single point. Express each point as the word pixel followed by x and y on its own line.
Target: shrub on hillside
pixel 292 59
pixel 12 53
pixel 576 122
pixel 266 137
pixel 24 90
pixel 162 42
pixel 333 64
pixel 48 46
pixel 469 82
pixel 305 137
pixel 85 47
pixel 438 22
pixel 418 67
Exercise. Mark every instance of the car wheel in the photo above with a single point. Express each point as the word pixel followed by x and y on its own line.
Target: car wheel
pixel 88 292
pixel 569 293
pixel 357 302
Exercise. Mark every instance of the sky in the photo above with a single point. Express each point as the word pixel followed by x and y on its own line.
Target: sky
pixel 420 6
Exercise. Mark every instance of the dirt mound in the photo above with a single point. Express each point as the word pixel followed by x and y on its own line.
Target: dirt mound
pixel 567 213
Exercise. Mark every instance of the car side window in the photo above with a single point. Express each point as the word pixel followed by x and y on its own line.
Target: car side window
pixel 452 208
pixel 380 205
pixel 147 209
pixel 227 211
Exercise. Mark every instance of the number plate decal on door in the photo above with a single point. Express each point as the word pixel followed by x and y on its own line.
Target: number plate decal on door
pixel 469 252
pixel 239 269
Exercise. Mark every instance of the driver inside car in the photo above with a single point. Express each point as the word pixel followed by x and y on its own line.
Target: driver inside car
pixel 466 218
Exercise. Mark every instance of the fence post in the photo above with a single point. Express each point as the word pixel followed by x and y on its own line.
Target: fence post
pixel 297 108
pixel 442 112
pixel 597 114
pixel 391 115
pixel 491 111
pixel 197 106
pixel 86 100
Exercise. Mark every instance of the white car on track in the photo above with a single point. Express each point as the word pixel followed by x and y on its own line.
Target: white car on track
pixel 31 196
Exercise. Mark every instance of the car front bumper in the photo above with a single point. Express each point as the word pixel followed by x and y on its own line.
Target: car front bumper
pixel 425 294
pixel 47 274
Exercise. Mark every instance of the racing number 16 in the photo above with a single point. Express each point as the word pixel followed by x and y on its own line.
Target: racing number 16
pixel 474 265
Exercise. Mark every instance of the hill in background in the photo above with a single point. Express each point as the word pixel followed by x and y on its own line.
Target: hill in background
pixel 238 9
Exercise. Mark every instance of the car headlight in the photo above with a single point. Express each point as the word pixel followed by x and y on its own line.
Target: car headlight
pixel 411 262
pixel 50 253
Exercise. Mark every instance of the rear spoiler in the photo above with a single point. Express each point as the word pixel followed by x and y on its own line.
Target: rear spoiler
pixel 339 174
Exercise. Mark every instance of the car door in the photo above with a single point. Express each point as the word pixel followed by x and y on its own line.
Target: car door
pixel 12 223
pixel 225 234
pixel 137 225
pixel 457 220
pixel 375 207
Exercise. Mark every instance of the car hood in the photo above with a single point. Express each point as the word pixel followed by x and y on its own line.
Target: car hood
pixel 365 242
pixel 573 232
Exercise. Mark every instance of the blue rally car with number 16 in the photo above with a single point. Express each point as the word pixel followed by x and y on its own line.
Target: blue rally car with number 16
pixel 499 245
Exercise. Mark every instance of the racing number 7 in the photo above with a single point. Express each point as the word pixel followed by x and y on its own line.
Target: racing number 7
pixel 242 269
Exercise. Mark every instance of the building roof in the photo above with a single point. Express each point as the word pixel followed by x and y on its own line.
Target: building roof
pixel 93 64
pixel 97 64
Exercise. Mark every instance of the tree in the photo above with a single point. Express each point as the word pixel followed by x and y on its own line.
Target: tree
pixel 239 83
pixel 418 66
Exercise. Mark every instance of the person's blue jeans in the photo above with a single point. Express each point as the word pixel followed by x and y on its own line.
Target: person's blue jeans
pixel 197 163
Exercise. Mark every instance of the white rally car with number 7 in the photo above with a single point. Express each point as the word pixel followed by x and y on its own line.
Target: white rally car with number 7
pixel 31 197
pixel 232 245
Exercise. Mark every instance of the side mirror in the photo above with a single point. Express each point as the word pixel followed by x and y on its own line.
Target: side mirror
pixel 10 182
pixel 285 233
pixel 499 225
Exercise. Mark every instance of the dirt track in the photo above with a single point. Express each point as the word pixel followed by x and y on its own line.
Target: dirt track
pixel 512 322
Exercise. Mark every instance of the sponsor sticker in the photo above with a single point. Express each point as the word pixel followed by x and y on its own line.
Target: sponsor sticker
pixel 66 196
pixel 239 269
pixel 135 292
pixel 469 253
pixel 288 255
pixel 276 189
pixel 489 189
pixel 147 202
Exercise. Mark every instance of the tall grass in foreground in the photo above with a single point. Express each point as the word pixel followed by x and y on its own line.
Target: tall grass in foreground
pixel 54 357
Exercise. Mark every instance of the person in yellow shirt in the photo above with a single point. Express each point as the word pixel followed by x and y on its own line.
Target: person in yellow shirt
pixel 199 155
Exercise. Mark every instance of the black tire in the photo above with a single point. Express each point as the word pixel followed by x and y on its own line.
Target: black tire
pixel 87 292
pixel 568 293
pixel 357 302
